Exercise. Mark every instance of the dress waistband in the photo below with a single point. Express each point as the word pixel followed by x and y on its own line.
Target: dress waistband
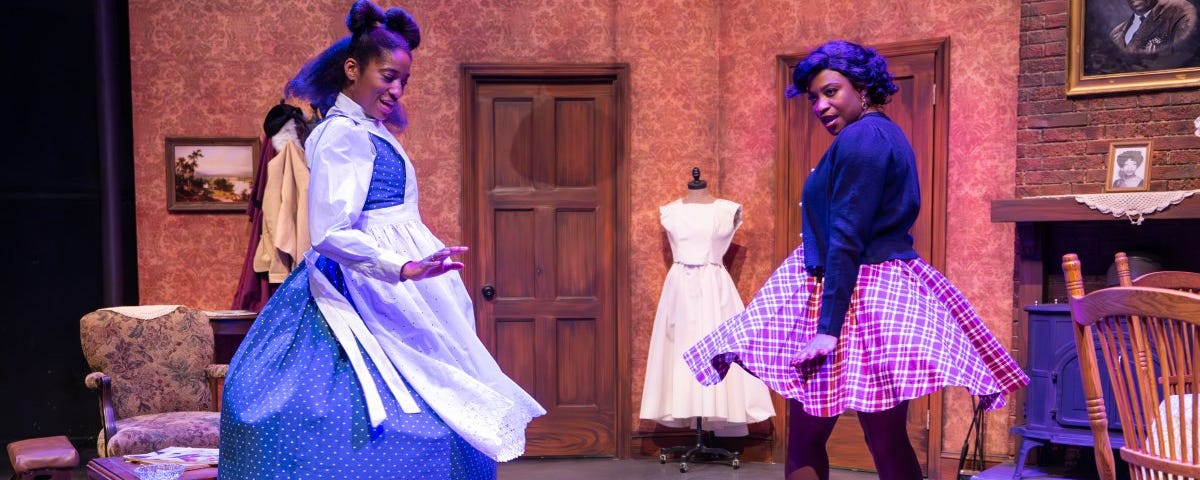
pixel 698 265
pixel 403 213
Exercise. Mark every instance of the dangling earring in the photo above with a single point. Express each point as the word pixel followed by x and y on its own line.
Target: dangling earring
pixel 865 103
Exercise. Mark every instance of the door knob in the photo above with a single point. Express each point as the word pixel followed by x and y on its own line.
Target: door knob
pixel 489 292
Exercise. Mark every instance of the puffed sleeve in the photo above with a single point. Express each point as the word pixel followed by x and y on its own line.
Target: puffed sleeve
pixel 736 209
pixel 859 168
pixel 664 216
pixel 341 159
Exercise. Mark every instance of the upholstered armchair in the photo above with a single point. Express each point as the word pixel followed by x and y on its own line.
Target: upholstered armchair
pixel 152 368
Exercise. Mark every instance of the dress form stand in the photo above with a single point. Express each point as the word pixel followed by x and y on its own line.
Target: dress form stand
pixel 700 451
pixel 698 193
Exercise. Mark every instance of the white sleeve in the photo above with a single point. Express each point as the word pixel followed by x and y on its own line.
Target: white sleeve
pixel 664 216
pixel 737 215
pixel 341 158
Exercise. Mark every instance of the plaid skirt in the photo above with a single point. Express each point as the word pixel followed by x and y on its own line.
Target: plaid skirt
pixel 908 333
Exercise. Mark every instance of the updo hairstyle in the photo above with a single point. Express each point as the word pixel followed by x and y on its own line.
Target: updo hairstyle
pixel 373 33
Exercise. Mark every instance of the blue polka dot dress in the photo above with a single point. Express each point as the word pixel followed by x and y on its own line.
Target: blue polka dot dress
pixel 298 397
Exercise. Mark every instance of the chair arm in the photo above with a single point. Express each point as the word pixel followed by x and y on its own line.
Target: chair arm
pixel 103 385
pixel 216 383
pixel 216 370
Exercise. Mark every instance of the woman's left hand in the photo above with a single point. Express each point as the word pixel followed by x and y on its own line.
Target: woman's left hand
pixel 819 345
pixel 435 264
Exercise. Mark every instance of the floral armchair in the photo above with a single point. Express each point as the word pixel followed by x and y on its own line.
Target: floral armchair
pixel 152 367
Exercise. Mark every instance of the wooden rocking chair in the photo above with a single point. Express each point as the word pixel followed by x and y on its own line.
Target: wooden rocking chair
pixel 1173 279
pixel 1147 338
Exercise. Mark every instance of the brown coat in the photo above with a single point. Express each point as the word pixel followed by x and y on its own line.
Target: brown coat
pixel 285 215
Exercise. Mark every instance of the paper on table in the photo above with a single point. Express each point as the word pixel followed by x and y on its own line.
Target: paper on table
pixel 205 457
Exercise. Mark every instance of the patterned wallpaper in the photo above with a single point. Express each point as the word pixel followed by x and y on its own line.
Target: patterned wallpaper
pixel 703 95
pixel 205 69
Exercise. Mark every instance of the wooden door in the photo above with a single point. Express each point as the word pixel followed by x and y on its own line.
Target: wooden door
pixel 919 108
pixel 545 258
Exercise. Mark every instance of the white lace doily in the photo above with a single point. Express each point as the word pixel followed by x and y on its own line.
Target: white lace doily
pixel 144 312
pixel 1133 205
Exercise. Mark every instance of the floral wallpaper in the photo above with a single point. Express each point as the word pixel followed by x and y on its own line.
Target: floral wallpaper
pixel 703 94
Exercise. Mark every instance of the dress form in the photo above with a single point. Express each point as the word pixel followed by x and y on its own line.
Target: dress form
pixel 698 294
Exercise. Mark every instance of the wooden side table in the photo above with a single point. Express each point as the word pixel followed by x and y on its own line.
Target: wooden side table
pixel 116 468
pixel 229 328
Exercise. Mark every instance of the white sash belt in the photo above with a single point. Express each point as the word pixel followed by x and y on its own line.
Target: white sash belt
pixel 350 332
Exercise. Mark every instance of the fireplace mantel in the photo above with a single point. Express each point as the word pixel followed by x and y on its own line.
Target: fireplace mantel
pixel 1066 209
pixel 1048 227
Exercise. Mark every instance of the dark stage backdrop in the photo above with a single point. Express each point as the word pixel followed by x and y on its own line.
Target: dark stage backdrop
pixel 66 195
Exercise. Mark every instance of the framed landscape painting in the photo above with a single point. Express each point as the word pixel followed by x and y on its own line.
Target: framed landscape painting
pixel 210 174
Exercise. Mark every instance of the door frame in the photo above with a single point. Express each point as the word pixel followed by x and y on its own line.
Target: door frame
pixel 784 245
pixel 471 76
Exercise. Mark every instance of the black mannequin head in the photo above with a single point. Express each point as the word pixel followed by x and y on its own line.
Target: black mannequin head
pixel 696 183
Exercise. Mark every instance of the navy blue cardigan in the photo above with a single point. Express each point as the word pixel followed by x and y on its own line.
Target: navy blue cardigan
pixel 858 205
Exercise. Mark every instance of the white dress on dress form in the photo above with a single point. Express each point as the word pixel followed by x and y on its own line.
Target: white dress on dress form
pixel 698 294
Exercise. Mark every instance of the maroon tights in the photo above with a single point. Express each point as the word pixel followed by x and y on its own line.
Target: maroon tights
pixel 886 434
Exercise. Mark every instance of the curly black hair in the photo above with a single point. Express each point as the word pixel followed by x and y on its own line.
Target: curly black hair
pixel 863 66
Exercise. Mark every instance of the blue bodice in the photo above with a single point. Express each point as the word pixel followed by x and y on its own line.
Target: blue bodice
pixel 387 178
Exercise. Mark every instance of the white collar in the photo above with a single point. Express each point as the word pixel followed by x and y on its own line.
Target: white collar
pixel 344 105
pixel 350 109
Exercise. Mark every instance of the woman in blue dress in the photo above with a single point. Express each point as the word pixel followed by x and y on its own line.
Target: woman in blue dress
pixel 365 362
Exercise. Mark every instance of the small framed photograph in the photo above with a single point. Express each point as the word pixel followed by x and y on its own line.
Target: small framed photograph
pixel 210 174
pixel 1129 166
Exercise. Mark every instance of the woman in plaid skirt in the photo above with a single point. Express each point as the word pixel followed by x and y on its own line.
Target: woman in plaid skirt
pixel 855 319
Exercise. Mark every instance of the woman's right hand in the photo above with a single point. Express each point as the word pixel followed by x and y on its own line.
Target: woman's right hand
pixel 435 264
pixel 819 346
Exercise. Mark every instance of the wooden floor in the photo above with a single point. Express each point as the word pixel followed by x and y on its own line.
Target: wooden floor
pixel 608 469
pixel 647 469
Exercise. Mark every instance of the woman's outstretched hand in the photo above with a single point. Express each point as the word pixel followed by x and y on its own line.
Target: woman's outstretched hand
pixel 820 345
pixel 435 264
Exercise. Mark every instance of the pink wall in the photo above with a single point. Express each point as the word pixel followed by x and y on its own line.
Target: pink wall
pixel 703 77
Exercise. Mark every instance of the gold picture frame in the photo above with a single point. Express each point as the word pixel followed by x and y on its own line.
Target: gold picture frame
pixel 1156 57
pixel 210 174
pixel 1129 166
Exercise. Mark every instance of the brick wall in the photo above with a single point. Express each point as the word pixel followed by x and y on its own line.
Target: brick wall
pixel 1063 143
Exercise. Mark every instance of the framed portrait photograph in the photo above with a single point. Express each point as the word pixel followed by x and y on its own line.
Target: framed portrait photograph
pixel 210 174
pixel 1132 45
pixel 1128 167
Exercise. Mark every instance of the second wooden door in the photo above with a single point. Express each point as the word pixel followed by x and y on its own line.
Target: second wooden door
pixel 545 249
